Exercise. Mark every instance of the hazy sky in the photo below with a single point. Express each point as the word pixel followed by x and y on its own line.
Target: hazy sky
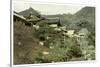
pixel 46 8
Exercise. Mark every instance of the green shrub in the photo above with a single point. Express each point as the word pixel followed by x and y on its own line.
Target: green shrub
pixel 75 51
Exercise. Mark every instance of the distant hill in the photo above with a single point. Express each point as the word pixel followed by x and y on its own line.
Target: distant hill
pixel 29 11
pixel 87 13
pixel 85 18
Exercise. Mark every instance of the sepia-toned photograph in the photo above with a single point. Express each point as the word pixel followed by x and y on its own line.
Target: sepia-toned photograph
pixel 51 33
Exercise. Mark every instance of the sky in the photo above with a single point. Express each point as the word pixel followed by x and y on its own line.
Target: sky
pixel 47 9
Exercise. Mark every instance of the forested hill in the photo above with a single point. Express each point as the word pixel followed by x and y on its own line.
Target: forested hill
pixel 85 18
pixel 29 11
pixel 86 12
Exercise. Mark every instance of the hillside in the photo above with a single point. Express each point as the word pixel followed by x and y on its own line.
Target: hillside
pixel 29 11
pixel 86 12
pixel 85 18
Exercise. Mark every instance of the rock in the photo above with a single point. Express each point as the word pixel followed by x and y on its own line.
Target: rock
pixel 51 47
pixel 41 43
pixel 45 53
pixel 19 43
pixel 36 27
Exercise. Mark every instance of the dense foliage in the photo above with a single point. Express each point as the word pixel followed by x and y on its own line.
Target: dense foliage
pixel 46 45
